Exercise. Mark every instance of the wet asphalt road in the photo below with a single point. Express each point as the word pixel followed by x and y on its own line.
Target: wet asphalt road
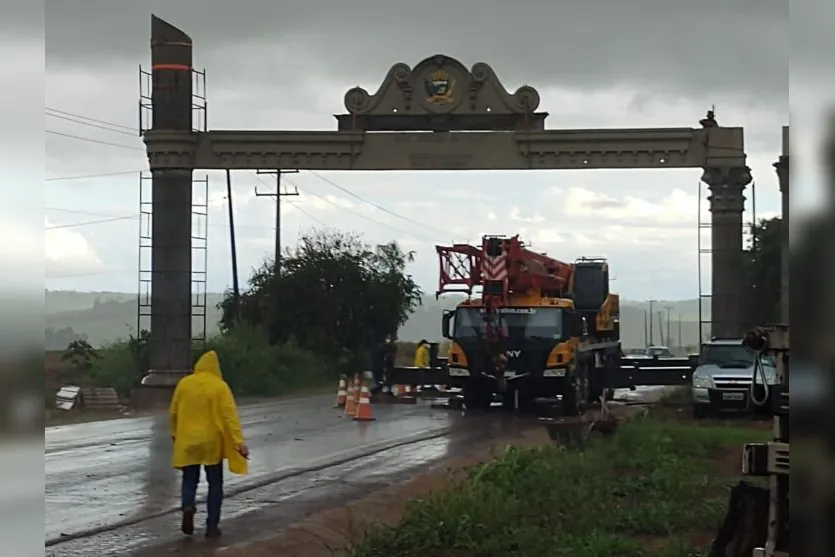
pixel 113 479
pixel 98 474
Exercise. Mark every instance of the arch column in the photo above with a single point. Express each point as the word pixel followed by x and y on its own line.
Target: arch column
pixel 727 202
pixel 782 168
pixel 170 342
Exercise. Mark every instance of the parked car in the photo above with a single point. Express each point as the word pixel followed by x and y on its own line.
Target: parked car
pixel 724 375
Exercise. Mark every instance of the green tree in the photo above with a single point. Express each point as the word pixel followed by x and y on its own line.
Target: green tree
pixel 81 356
pixel 335 295
pixel 762 265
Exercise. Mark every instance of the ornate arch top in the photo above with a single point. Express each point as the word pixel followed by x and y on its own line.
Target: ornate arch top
pixel 440 93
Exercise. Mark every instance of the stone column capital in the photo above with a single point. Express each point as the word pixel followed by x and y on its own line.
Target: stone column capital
pixel 782 168
pixel 727 184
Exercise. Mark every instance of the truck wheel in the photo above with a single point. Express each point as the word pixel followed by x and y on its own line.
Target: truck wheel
pixel 476 397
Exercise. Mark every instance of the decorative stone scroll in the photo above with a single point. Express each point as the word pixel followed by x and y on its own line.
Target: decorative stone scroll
pixel 440 94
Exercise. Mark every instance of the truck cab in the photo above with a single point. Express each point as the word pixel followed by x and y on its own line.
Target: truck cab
pixel 540 339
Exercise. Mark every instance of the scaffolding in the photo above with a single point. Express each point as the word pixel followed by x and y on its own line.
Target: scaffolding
pixel 199 112
pixel 199 255
pixel 199 214
pixel 704 238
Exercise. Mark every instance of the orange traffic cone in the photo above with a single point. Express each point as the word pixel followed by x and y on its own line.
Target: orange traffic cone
pixel 364 413
pixel 341 392
pixel 351 400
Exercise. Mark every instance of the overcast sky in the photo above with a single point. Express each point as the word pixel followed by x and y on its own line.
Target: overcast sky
pixel 657 63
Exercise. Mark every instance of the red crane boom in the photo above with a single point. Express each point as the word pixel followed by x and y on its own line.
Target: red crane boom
pixel 500 266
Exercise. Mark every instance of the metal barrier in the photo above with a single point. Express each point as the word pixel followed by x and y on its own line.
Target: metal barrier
pixel 638 372
pixel 632 372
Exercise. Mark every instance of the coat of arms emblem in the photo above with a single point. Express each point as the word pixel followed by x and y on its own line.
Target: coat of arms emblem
pixel 439 87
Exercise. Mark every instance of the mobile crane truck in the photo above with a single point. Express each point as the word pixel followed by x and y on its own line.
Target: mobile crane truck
pixel 540 328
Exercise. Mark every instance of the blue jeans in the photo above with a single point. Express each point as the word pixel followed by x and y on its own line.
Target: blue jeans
pixel 214 476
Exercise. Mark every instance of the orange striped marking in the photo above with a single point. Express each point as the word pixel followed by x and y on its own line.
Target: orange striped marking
pixel 181 67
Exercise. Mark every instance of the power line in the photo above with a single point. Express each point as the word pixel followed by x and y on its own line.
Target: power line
pixel 108 217
pixel 96 120
pixel 90 222
pixel 278 194
pixel 301 210
pixel 89 176
pixel 380 207
pixel 91 124
pixel 91 140
pixel 327 180
pixel 364 217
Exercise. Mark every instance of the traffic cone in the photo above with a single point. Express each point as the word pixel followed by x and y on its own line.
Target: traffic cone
pixel 364 413
pixel 341 392
pixel 351 400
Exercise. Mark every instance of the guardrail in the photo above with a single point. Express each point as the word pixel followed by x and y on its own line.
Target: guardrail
pixel 635 372
pixel 632 372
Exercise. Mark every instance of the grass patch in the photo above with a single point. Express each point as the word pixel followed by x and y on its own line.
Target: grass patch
pixel 644 492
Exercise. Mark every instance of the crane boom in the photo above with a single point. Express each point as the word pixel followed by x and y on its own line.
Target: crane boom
pixel 501 266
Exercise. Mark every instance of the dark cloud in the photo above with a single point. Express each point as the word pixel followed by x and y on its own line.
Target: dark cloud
pixel 682 46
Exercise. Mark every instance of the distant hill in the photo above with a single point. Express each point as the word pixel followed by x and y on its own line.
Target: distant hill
pixel 104 317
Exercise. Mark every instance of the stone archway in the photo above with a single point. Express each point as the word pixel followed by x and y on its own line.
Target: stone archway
pixel 478 125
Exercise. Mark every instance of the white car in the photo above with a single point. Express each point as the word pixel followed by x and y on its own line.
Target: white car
pixel 724 375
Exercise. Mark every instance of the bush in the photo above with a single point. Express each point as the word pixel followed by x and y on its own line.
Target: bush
pixel 652 480
pixel 250 365
pixel 253 367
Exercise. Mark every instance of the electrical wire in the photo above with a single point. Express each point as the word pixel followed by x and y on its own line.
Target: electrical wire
pixel 92 125
pixel 380 207
pixel 69 115
pixel 90 222
pixel 90 176
pixel 108 217
pixel 96 120
pixel 311 217
pixel 91 140
pixel 759 372
pixel 364 217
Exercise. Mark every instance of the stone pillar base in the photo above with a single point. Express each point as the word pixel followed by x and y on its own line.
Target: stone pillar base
pixel 163 377
pixel 156 389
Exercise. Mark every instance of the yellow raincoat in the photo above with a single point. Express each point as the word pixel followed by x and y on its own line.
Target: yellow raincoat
pixel 204 419
pixel 422 356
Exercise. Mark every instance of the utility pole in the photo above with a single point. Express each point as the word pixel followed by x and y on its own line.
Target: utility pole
pixel 669 336
pixel 646 333
pixel 679 331
pixel 660 315
pixel 278 194
pixel 651 337
pixel 235 287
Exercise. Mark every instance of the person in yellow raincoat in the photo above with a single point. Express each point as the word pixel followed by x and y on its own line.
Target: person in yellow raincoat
pixel 422 354
pixel 205 429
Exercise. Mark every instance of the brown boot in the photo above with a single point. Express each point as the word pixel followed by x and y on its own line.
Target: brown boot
pixel 187 525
